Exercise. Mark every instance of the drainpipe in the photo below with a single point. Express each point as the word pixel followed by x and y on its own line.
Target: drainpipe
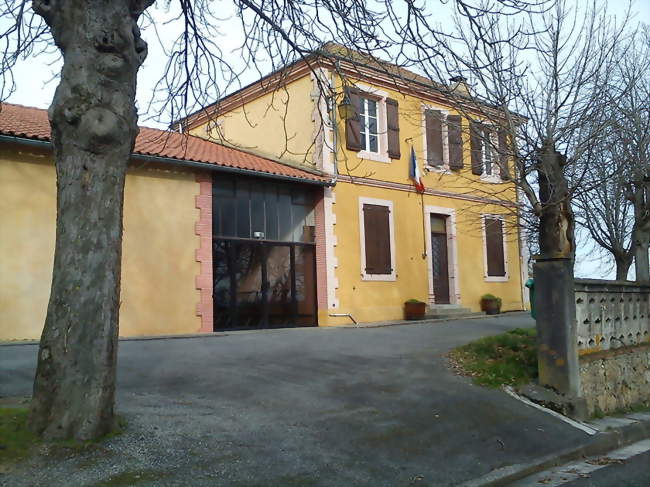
pixel 345 315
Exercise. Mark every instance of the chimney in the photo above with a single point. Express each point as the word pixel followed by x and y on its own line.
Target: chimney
pixel 458 84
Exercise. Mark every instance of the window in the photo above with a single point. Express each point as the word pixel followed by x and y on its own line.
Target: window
pixel 262 209
pixel 377 240
pixel 373 131
pixel 489 152
pixel 443 140
pixel 495 248
pixel 368 125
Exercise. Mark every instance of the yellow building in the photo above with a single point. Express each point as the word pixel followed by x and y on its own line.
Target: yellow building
pixel 273 209
pixel 380 238
pixel 167 265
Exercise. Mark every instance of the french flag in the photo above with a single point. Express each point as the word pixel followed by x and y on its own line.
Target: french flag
pixel 414 173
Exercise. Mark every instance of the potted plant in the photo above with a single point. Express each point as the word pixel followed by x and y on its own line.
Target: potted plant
pixel 414 309
pixel 491 304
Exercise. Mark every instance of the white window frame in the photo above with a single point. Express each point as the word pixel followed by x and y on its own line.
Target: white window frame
pixel 362 234
pixel 486 277
pixel 494 176
pixel 365 123
pixel 452 252
pixel 382 124
pixel 445 169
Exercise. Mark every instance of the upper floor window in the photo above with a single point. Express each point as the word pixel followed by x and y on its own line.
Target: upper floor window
pixel 373 131
pixel 368 124
pixel 443 142
pixel 489 152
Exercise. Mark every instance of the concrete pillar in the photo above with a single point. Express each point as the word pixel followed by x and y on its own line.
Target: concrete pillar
pixel 556 325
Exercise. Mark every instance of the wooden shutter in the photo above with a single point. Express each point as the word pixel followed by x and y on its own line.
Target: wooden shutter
pixel 494 246
pixel 353 124
pixel 392 118
pixel 376 228
pixel 504 155
pixel 455 138
pixel 433 122
pixel 476 146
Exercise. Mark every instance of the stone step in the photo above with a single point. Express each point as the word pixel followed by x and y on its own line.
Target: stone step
pixel 448 309
pixel 456 316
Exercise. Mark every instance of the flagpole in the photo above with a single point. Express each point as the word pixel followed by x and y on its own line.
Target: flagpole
pixel 424 227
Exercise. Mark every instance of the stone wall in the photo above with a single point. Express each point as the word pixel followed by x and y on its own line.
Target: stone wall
pixel 616 380
pixel 613 339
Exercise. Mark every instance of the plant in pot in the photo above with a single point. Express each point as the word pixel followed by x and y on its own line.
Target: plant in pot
pixel 491 304
pixel 414 309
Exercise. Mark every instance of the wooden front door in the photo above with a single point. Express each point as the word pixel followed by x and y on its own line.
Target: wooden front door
pixel 439 259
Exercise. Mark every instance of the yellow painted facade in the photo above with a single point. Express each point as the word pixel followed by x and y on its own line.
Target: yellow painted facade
pixel 475 197
pixel 158 262
pixel 277 125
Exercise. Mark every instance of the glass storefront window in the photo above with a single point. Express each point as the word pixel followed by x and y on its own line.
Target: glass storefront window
pixel 262 209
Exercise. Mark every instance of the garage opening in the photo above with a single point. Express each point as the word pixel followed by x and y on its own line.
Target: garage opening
pixel 264 255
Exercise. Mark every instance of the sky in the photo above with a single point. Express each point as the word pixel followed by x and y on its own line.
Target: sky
pixel 37 77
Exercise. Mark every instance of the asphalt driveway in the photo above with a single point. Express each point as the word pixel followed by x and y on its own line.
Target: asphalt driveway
pixel 326 406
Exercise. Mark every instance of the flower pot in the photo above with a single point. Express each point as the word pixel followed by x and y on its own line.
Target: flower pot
pixel 490 306
pixel 414 311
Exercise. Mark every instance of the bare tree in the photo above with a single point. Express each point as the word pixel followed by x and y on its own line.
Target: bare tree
pixel 541 100
pixel 94 125
pixel 613 209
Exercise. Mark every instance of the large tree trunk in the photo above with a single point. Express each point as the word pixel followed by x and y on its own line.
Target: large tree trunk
pixel 556 219
pixel 641 261
pixel 94 124
pixel 623 263
pixel 641 235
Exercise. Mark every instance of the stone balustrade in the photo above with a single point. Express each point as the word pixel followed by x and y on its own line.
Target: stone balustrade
pixel 611 314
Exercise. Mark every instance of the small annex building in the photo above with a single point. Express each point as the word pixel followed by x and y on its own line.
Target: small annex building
pixel 168 269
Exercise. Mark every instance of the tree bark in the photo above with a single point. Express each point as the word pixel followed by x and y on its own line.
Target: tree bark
pixel 623 264
pixel 641 261
pixel 641 234
pixel 557 222
pixel 94 125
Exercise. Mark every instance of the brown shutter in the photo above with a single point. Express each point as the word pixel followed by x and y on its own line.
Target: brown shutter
pixel 353 125
pixel 377 239
pixel 504 155
pixel 476 145
pixel 392 117
pixel 455 137
pixel 433 122
pixel 494 246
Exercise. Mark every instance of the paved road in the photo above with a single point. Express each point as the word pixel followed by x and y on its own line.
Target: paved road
pixel 634 472
pixel 368 406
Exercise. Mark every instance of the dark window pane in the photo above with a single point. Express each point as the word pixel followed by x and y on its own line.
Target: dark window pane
pixel 305 285
pixel 372 108
pixel 278 271
pixel 226 227
pixel 223 187
pixel 373 144
pixel 243 210
pixel 284 215
pixel 271 194
pixel 298 215
pixel 372 125
pixel 249 284
pixel 257 210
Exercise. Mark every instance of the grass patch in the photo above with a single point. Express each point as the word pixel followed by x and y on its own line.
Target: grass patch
pixel 506 359
pixel 16 440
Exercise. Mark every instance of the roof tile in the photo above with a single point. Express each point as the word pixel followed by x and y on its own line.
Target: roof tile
pixel 32 123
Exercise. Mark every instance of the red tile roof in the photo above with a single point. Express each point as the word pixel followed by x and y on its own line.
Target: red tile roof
pixel 32 123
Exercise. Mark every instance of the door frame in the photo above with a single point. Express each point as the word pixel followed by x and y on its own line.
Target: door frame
pixel 452 252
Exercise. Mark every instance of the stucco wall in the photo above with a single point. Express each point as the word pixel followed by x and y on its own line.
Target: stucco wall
pixel 616 379
pixel 27 232
pixel 383 300
pixel 158 262
pixel 277 125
